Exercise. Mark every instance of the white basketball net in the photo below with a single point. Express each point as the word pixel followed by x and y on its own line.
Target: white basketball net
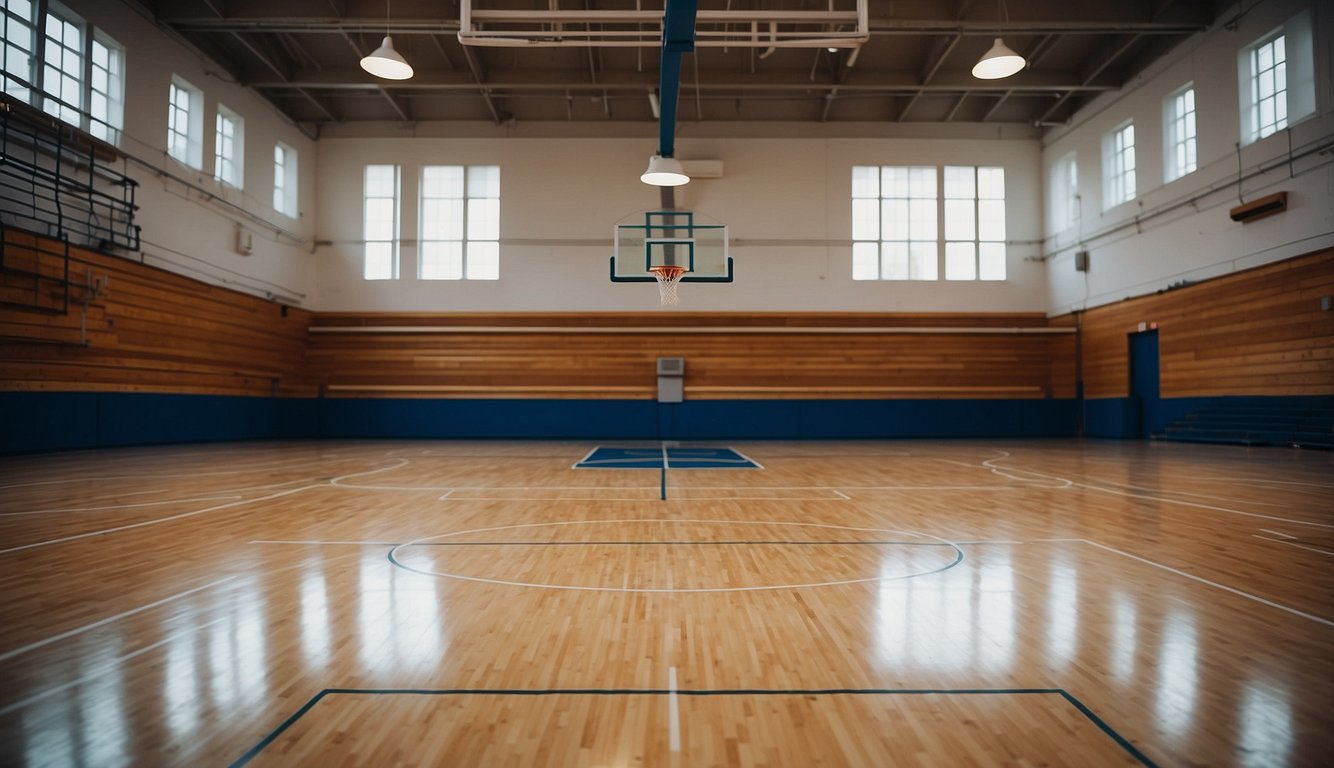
pixel 668 278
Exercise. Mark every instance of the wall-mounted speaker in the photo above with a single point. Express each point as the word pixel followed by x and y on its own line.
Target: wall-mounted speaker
pixel 1260 208
pixel 1081 261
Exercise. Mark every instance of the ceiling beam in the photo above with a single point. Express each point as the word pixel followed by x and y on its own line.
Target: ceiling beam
pixel 946 27
pixel 479 80
pixel 1092 73
pixel 940 51
pixel 996 106
pixel 711 80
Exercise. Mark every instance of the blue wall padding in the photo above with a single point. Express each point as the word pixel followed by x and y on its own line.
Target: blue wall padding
pixel 1112 417
pixel 44 421
pixel 599 419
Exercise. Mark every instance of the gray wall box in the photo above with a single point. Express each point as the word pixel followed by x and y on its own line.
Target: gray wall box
pixel 671 379
pixel 1082 261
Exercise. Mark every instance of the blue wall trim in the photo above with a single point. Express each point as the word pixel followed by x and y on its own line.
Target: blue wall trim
pixel 48 421
pixel 45 421
pixel 1119 417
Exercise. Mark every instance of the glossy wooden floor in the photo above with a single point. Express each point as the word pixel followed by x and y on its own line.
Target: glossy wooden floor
pixel 869 603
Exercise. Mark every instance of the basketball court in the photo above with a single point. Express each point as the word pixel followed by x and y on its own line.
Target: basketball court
pixel 861 603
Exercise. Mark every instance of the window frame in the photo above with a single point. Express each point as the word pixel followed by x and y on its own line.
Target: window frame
pixel 114 121
pixel 1180 143
pixel 978 243
pixel 236 159
pixel 394 240
pixel 193 110
pixel 286 195
pixel 1259 129
pixel 899 259
pixel 1064 202
pixel 1115 168
pixel 479 257
pixel 56 103
pixel 16 85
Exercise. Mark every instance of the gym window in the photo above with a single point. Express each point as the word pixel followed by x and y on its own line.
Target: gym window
pixel 284 180
pixel 1118 166
pixel 1180 139
pixel 380 222
pixel 1276 75
pixel 896 215
pixel 229 144
pixel 460 222
pixel 75 68
pixel 185 123
pixel 1064 193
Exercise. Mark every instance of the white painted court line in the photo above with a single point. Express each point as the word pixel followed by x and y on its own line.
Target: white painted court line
pixel 131 526
pixel 673 712
pixel 1279 534
pixel 747 458
pixel 103 622
pixel 1168 500
pixel 359 543
pixel 115 506
pixel 666 463
pixel 1207 582
pixel 108 667
pixel 842 495
pixel 1295 544
pixel 339 480
pixel 591 451
pixel 445 495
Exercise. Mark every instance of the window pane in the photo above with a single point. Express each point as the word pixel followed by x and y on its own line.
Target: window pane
pixel 991 183
pixel 959 220
pixel 923 219
pixel 442 261
pixel 991 261
pixel 894 220
pixel 442 181
pixel 923 256
pixel 484 219
pixel 379 261
pixel 991 220
pixel 442 220
pixel 865 261
pixel 959 183
pixel 483 261
pixel 483 181
pixel 380 181
pixel 960 261
pixel 865 219
pixel 865 181
pixel 894 182
pixel 923 182
pixel 894 261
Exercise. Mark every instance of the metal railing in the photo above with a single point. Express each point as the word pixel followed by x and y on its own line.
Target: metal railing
pixel 56 181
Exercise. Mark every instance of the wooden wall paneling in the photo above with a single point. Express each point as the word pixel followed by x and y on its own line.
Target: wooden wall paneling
pixel 1257 332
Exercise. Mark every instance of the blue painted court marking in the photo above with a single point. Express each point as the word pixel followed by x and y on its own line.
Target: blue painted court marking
pixel 666 457
pixel 1101 724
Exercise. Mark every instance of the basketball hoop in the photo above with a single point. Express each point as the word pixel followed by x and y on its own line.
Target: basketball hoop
pixel 668 275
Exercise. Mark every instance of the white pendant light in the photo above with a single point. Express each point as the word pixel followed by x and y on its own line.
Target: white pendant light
pixel 998 62
pixel 664 172
pixel 384 61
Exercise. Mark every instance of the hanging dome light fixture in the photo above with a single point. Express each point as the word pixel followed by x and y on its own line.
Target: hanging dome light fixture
pixel 1000 61
pixel 664 172
pixel 385 62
